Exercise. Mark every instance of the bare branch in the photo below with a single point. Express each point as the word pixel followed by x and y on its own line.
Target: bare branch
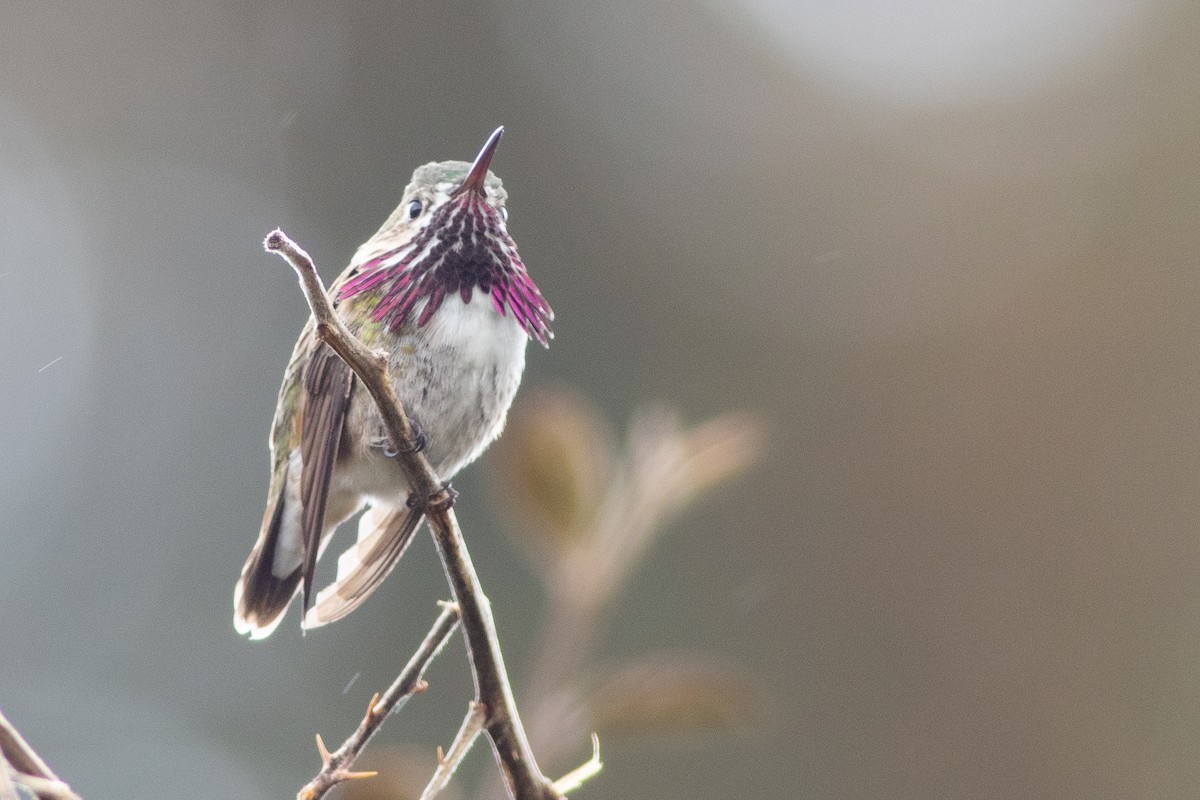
pixel 370 366
pixel 336 766
pixel 472 726
pixel 502 724
pixel 24 767
pixel 584 772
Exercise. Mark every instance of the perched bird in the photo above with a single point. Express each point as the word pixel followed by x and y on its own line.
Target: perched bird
pixel 441 288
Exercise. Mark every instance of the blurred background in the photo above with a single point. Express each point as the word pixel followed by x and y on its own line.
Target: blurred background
pixel 946 252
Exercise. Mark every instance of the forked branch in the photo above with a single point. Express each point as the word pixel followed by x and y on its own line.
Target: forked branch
pixel 448 761
pixel 336 765
pixel 492 690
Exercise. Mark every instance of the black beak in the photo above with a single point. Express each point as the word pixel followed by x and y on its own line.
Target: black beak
pixel 478 174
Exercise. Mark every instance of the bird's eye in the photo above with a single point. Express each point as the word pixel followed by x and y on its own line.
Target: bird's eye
pixel 414 209
pixel 504 214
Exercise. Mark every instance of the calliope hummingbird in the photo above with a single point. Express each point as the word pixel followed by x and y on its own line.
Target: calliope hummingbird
pixel 441 289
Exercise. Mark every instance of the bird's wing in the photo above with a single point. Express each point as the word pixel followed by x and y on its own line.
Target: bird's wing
pixel 327 382
pixel 383 535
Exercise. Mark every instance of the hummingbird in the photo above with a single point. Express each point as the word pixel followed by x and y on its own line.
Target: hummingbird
pixel 441 289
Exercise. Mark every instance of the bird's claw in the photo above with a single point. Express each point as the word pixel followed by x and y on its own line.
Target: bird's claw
pixel 444 499
pixel 415 445
pixel 441 500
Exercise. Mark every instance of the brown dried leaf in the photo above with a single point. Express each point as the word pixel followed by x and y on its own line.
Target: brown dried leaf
pixel 670 695
pixel 720 449
pixel 552 466
pixel 676 466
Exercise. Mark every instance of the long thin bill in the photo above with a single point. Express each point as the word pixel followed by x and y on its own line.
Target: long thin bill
pixel 474 181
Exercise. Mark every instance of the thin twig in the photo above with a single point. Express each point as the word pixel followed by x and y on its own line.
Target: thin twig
pixel 503 725
pixel 448 761
pixel 585 771
pixel 336 766
pixel 45 788
pixel 24 767
pixel 8 790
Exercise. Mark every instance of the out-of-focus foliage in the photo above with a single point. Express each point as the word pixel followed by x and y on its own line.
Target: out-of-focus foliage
pixel 670 695
pixel 586 512
pixel 598 509
pixel 552 469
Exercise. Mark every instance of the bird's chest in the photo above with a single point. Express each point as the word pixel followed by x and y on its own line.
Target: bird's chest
pixel 456 376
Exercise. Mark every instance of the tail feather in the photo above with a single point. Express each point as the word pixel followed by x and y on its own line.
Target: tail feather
pixel 260 597
pixel 383 537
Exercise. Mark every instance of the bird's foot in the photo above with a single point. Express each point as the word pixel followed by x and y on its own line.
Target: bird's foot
pixel 416 445
pixel 441 500
pixel 444 499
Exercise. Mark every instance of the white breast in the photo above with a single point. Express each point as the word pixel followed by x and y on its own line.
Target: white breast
pixel 464 376
pixel 478 333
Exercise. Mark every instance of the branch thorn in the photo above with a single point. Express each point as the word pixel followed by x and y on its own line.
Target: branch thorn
pixel 371 706
pixel 326 758
pixel 354 776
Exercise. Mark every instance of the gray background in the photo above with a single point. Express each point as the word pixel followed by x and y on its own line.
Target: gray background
pixel 948 251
